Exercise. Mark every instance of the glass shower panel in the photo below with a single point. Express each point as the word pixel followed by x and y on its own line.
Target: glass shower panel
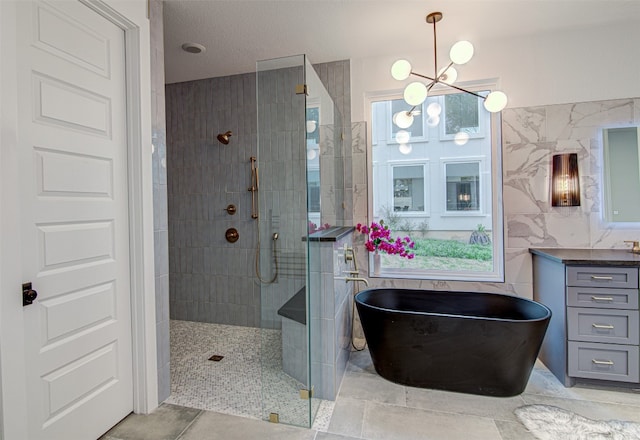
pixel 283 260
pixel 296 144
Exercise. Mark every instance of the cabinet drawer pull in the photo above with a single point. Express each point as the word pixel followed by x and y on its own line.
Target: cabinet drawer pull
pixel 603 326
pixel 602 298
pixel 597 362
pixel 600 277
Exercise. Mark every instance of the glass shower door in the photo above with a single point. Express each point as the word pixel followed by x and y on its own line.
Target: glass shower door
pixel 300 162
pixel 283 262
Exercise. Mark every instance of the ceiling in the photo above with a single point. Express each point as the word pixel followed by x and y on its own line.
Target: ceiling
pixel 237 33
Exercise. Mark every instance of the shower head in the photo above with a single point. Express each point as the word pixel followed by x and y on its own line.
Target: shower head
pixel 223 138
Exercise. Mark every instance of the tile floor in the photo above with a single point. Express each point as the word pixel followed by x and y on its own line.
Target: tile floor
pixel 247 382
pixel 369 407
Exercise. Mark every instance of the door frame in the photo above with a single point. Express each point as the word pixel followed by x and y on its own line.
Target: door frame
pixel 132 17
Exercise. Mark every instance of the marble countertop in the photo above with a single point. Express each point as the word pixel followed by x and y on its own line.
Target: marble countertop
pixel 589 257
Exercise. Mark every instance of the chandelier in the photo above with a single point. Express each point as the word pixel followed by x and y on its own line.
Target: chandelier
pixel 415 93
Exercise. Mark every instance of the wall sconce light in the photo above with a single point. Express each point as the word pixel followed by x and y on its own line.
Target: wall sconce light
pixel 565 181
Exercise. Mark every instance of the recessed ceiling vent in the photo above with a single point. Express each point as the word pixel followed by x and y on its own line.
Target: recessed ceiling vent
pixel 193 48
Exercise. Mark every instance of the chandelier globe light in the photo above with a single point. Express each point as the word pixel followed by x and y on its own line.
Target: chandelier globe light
pixel 401 70
pixel 416 92
pixel 403 119
pixel 461 52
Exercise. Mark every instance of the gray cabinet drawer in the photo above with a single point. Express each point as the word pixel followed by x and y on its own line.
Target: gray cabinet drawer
pixel 618 277
pixel 602 298
pixel 610 326
pixel 603 361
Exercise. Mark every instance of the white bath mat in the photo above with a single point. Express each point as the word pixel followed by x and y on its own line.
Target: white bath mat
pixel 551 423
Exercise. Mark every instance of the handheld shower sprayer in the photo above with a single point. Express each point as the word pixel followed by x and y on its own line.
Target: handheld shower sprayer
pixel 254 187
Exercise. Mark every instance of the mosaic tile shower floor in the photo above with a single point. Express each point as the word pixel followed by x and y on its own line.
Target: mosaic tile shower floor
pixel 250 371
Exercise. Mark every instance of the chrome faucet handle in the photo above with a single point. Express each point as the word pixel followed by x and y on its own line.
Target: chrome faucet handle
pixel 635 246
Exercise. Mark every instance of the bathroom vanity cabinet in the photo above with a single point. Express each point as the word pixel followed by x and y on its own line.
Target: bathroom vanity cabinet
pixel 594 332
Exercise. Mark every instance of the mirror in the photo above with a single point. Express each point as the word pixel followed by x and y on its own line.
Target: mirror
pixel 621 174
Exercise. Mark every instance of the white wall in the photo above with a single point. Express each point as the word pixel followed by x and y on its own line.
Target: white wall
pixel 578 65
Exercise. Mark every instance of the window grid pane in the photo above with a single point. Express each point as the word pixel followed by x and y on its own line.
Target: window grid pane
pixel 461 113
pixel 408 188
pixel 416 130
pixel 463 186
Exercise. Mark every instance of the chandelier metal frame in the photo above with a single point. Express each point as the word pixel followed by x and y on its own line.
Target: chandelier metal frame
pixel 441 78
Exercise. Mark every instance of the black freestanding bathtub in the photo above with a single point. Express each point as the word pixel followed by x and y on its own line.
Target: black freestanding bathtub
pixel 477 343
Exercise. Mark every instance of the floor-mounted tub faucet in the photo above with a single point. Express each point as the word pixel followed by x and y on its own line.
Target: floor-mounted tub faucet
pixel 356 279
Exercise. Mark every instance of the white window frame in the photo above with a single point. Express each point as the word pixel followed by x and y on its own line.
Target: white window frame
pixel 494 185
pixel 480 160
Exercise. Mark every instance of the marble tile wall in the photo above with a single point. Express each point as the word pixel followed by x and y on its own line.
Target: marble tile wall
pixel 160 220
pixel 336 77
pixel 531 136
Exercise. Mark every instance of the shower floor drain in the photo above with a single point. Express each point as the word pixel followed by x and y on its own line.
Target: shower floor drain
pixel 216 358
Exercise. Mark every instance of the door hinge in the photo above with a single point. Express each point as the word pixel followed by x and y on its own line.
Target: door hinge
pixel 301 89
pixel 306 394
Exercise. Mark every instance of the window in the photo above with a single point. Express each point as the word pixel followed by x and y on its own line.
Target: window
pixel 442 193
pixel 415 130
pixel 313 185
pixel 408 188
pixel 462 186
pixel 462 113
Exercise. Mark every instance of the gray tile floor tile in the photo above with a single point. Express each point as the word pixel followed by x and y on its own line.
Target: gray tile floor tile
pixel 167 422
pixel 216 426
pixel 360 362
pixel 513 431
pixel 330 436
pixel 370 387
pixel 597 393
pixel 347 418
pixel 389 422
pixel 369 407
pixel 499 408
pixel 543 382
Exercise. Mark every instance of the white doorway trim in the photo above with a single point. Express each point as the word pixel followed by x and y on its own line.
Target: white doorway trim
pixel 132 17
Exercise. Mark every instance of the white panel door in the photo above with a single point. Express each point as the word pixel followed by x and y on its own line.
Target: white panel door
pixel 73 153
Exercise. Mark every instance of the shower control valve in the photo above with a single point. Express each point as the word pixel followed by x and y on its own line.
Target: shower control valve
pixel 231 209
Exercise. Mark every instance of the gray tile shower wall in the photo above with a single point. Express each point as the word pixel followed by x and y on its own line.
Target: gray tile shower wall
pixel 160 222
pixel 283 189
pixel 212 280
